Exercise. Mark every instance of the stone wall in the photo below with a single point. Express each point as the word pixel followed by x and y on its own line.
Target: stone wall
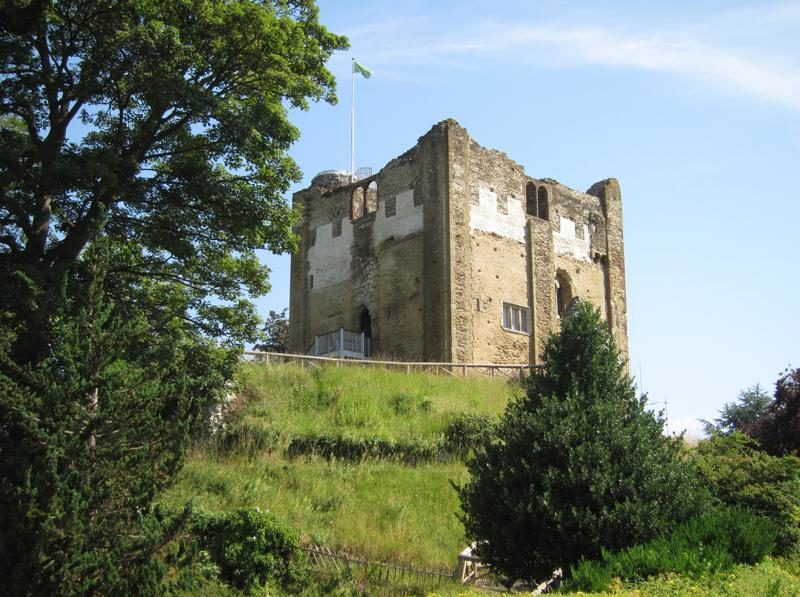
pixel 454 238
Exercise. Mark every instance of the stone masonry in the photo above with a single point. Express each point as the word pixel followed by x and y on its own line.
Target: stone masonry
pixel 452 253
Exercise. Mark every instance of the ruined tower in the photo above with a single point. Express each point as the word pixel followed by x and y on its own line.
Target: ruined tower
pixel 451 253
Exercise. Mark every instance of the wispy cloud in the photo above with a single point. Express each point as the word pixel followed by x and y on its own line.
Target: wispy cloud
pixel 768 74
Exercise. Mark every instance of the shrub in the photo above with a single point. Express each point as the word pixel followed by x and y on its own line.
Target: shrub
pixel 468 431
pixel 738 474
pixel 250 547
pixel 578 464
pixel 705 544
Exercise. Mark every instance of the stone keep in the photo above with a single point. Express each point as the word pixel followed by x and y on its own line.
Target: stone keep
pixel 452 253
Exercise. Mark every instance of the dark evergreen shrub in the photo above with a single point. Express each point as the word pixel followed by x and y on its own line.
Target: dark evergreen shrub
pixel 578 464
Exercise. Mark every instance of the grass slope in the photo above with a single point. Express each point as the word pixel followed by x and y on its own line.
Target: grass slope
pixel 383 510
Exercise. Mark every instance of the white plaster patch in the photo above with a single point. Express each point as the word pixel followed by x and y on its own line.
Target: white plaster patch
pixel 406 220
pixel 566 242
pixel 329 260
pixel 486 218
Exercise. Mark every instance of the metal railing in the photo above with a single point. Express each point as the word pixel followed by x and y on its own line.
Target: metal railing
pixel 341 343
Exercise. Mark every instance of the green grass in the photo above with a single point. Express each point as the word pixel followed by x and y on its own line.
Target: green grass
pixel 365 401
pixel 382 510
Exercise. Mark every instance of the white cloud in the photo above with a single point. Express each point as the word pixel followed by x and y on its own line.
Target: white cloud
pixel 695 52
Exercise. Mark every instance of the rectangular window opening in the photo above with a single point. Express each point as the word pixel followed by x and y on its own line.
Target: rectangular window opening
pixel 516 318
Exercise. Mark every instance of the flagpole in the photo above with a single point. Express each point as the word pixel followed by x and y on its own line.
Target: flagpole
pixel 353 119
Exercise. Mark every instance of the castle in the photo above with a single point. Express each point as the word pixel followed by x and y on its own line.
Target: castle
pixel 451 253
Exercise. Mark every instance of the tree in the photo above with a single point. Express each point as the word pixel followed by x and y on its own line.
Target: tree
pixel 578 463
pixel 164 125
pixel 778 429
pixel 276 333
pixel 142 164
pixel 738 416
pixel 90 436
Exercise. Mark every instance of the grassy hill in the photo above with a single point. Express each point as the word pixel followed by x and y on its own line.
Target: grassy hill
pixel 354 458
pixel 362 460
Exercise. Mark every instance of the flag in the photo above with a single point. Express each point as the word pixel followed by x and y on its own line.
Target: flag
pixel 359 68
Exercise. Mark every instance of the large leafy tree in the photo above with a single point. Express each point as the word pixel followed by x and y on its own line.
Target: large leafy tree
pixel 164 124
pixel 578 463
pixel 142 164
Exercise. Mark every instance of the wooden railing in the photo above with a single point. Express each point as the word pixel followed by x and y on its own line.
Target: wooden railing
pixel 492 370
pixel 327 560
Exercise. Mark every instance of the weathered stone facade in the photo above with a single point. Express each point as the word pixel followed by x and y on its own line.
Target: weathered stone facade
pixel 451 253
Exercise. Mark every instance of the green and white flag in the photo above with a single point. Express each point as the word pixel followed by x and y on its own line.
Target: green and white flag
pixel 363 70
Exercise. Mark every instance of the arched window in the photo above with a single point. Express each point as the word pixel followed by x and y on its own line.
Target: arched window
pixel 530 199
pixel 357 204
pixel 543 209
pixel 563 292
pixel 371 199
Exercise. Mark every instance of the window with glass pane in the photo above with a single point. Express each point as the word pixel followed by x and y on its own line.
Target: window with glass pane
pixel 516 318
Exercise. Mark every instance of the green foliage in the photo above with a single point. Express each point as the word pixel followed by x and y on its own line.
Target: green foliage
pixel 275 333
pixel 778 429
pixel 579 463
pixel 738 474
pixel 468 432
pixel 740 415
pixel 703 545
pixel 250 547
pixel 158 130
pixel 164 126
pixel 91 435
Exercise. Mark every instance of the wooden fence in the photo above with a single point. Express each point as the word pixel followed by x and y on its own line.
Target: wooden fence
pixel 455 369
pixel 383 574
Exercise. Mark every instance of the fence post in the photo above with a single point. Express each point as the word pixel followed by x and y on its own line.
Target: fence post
pixel 341 342
pixel 316 346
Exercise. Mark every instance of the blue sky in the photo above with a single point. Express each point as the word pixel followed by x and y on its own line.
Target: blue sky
pixel 693 106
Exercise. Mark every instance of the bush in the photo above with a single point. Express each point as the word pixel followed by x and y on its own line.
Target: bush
pixel 738 474
pixel 468 431
pixel 578 463
pixel 706 544
pixel 249 546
